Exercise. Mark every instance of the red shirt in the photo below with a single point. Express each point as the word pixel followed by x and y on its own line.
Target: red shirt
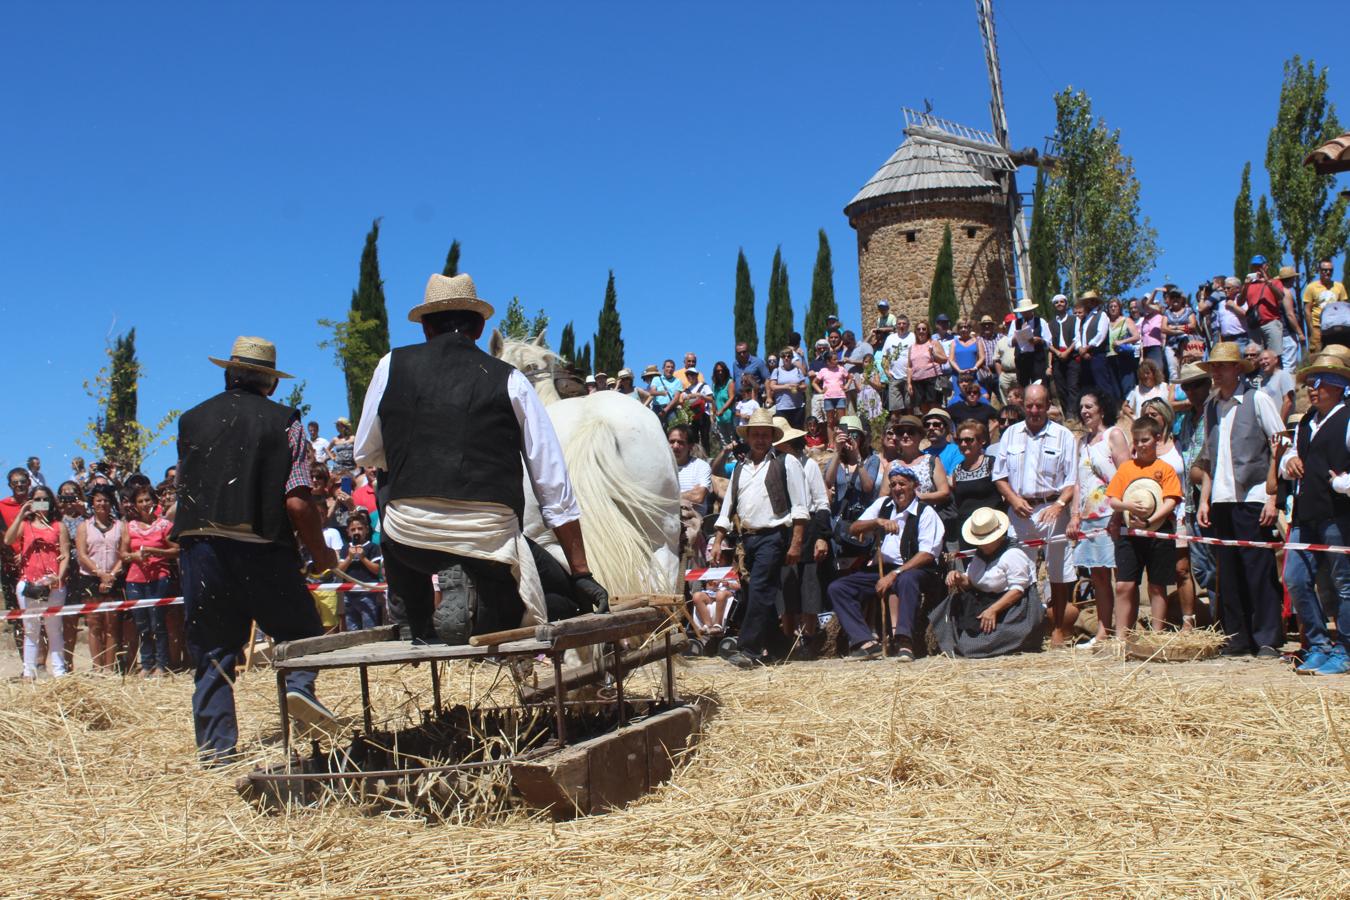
pixel 9 511
pixel 156 534
pixel 365 496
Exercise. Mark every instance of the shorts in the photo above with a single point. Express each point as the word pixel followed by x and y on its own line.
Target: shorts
pixel 326 602
pixel 1156 556
pixel 896 395
pixel 828 403
pixel 925 391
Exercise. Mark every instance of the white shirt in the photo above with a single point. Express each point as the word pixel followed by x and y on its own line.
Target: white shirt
pixel 320 445
pixel 1011 571
pixel 895 351
pixel 1341 483
pixel 1022 333
pixel 817 498
pixel 37 479
pixel 696 473
pixel 931 531
pixel 1103 326
pixel 543 454
pixel 1069 330
pixel 752 502
pixel 1037 465
pixel 1223 488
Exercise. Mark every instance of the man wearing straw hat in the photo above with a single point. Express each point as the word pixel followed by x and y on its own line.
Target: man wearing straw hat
pixel 243 496
pixel 801 589
pixel 1095 368
pixel 1320 461
pixel 766 503
pixel 456 431
pixel 1031 338
pixel 1239 423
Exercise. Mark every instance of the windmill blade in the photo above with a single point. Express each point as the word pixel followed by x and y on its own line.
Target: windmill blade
pixel 984 11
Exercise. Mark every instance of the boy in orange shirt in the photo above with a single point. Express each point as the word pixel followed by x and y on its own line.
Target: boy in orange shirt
pixel 1135 555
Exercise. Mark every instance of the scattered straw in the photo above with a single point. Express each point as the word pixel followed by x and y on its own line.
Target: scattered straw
pixel 1042 775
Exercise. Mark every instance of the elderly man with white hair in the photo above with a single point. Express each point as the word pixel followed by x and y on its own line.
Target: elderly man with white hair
pixel 1228 315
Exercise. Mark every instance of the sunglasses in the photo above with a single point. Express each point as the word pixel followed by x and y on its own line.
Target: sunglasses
pixel 965 440
pixel 907 432
pixel 68 498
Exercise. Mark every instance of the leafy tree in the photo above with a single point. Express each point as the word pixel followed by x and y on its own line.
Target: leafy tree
pixel 822 302
pixel 942 293
pixel 115 433
pixel 539 325
pixel 1044 265
pixel 359 340
pixel 452 260
pixel 1102 240
pixel 1265 240
pixel 514 324
pixel 567 344
pixel 1314 225
pixel 1244 225
pixel 743 309
pixel 778 315
pixel 296 399
pixel 608 335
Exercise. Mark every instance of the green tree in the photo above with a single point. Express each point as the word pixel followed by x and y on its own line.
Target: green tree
pixel 743 309
pixel 1102 240
pixel 567 344
pixel 115 433
pixel 514 324
pixel 296 399
pixel 608 335
pixel 822 302
pixel 1313 224
pixel 1265 240
pixel 539 325
pixel 942 293
pixel 1044 265
pixel 583 362
pixel 778 315
pixel 452 260
pixel 1244 224
pixel 359 340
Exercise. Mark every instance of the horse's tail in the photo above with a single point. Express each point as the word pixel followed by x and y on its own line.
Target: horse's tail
pixel 617 514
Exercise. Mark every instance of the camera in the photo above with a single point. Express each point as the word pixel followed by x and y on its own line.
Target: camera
pixel 41 505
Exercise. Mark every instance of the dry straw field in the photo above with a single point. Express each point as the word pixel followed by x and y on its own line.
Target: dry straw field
pixel 1055 774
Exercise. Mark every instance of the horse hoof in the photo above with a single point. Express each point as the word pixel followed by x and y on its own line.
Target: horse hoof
pixel 454 618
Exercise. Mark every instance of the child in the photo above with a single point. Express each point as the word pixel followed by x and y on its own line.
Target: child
pixel 361 562
pixel 1135 555
pixel 746 406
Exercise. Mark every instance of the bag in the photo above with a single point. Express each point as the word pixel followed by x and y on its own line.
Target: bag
pixel 850 509
pixel 34 591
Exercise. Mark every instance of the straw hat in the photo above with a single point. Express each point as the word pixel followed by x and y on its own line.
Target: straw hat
pixel 909 422
pixel 1291 424
pixel 253 353
pixel 1287 272
pixel 1026 304
pixel 984 526
pixel 789 433
pixel 761 418
pixel 625 373
pixel 987 320
pixel 650 372
pixel 938 412
pixel 1227 352
pixel 447 293
pixel 1340 351
pixel 1325 364
pixel 1191 373
pixel 1090 296
pixel 1146 490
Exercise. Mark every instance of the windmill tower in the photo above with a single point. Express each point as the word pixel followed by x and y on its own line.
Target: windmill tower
pixel 943 175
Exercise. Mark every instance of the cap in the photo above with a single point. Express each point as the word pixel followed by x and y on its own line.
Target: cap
pixel 822 343
pixel 831 318
pixel 1258 260
pixel 943 317
pixel 590 379
pixel 883 304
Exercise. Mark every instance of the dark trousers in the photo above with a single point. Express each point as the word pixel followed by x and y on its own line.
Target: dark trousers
pixel 1100 375
pixel 1125 371
pixel 1030 366
pixel 1068 377
pixel 228 584
pixel 1249 587
pixel 764 554
pixel 850 593
pixel 408 571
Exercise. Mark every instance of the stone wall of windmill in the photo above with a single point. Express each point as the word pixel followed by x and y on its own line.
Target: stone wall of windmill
pixel 898 245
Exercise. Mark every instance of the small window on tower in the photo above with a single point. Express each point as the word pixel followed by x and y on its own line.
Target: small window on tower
pixel 911 236
pixel 970 231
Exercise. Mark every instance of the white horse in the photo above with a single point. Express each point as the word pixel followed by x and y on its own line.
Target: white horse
pixel 623 474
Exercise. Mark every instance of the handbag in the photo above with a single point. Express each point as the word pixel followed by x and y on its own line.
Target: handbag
pixel 850 509
pixel 34 591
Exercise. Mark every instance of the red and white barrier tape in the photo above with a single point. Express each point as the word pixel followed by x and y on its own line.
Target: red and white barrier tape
pixel 82 609
pixel 1224 542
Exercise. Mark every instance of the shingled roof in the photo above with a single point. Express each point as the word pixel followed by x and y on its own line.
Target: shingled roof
pixel 926 162
pixel 1331 157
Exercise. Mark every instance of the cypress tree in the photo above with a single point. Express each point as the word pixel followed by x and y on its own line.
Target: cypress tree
pixel 583 363
pixel 452 260
pixel 822 294
pixel 744 307
pixel 1265 240
pixel 368 325
pixel 1243 225
pixel 1045 281
pixel 778 315
pixel 608 334
pixel 567 344
pixel 942 294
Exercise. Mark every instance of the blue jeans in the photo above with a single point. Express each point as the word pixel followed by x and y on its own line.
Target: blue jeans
pixel 151 624
pixel 1300 576
pixel 361 610
pixel 1202 561
pixel 226 585
pixel 849 594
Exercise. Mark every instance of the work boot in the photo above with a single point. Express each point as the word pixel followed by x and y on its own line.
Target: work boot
pixel 455 617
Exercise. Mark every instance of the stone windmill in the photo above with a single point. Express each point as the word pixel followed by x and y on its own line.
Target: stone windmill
pixel 945 174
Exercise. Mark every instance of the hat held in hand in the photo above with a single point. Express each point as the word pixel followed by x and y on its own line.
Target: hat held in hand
pixel 1146 491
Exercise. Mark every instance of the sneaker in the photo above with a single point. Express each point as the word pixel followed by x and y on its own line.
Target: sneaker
pixel 1315 658
pixel 1338 663
pixel 1268 653
pixel 308 711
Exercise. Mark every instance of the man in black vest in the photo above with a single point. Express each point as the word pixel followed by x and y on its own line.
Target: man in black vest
pixel 454 431
pixel 1320 461
pixel 767 503
pixel 243 495
pixel 1094 369
pixel 911 536
pixel 1030 337
pixel 1064 361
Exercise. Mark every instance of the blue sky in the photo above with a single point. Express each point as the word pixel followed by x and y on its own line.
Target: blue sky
pixel 201 171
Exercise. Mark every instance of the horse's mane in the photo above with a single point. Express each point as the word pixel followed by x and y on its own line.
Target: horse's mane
pixel 531 349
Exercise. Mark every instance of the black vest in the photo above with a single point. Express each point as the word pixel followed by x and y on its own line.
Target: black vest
pixel 233 463
pixel 1092 322
pixel 1321 455
pixel 1058 338
pixel 449 428
pixel 909 538
pixel 775 483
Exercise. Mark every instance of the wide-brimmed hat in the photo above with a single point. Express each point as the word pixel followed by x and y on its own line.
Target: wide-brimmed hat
pixel 1147 490
pixel 761 418
pixel 1291 423
pixel 253 353
pixel 938 412
pixel 1026 304
pixel 1340 351
pixel 909 421
pixel 1191 373
pixel 852 423
pixel 625 373
pixel 449 293
pixel 1087 296
pixel 1227 352
pixel 1287 272
pixel 650 372
pixel 785 427
pixel 1325 364
pixel 985 526
pixel 987 320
